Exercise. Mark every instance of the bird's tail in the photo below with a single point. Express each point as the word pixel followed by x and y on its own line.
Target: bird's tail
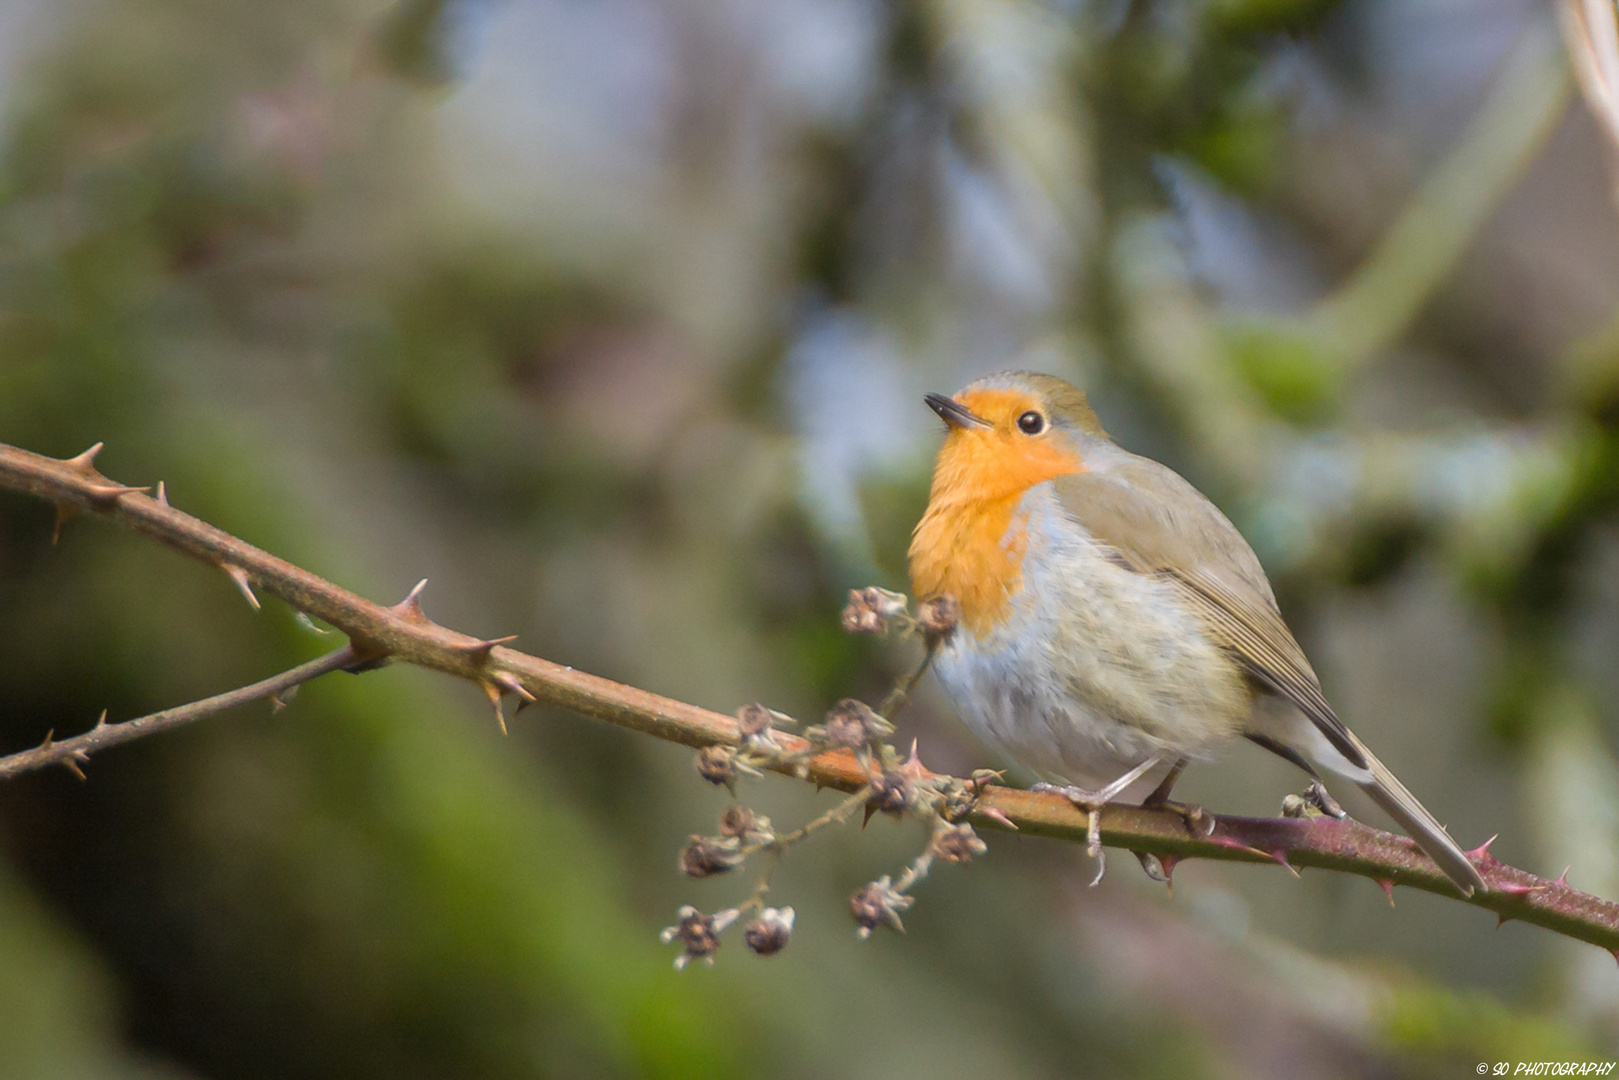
pixel 1386 791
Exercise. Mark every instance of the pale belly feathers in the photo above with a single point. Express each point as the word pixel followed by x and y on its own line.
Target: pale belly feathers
pixel 1096 667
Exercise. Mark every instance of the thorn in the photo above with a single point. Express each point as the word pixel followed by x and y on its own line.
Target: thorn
pixel 997 815
pixel 411 606
pixel 1387 885
pixel 1482 852
pixel 101 721
pixel 71 763
pixel 111 492
pixel 46 745
pixel 238 575
pixel 913 767
pixel 507 681
pixel 474 648
pixel 276 704
pixel 1501 920
pixel 1512 888
pixel 1279 856
pixel 870 810
pixel 493 693
pixel 64 512
pixel 1562 879
pixel 1238 845
pixel 162 494
pixel 1615 953
pixel 84 462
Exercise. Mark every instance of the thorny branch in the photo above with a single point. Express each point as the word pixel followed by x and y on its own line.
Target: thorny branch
pixel 403 633
pixel 75 752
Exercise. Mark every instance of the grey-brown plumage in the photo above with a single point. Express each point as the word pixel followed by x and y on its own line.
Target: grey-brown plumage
pixel 1156 523
pixel 1138 616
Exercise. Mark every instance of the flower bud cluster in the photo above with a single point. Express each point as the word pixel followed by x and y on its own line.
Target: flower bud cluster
pixel 870 611
pixel 850 725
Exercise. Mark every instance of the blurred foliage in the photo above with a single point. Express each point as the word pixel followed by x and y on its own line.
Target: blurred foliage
pixel 612 320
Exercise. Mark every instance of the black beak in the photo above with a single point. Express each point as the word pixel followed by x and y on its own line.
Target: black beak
pixel 953 413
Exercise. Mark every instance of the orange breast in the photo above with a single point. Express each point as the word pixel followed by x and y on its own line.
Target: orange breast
pixel 971 541
pixel 972 551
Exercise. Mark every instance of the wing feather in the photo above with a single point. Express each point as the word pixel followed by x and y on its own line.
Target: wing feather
pixel 1154 522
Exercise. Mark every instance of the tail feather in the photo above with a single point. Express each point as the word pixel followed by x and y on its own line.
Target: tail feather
pixel 1398 803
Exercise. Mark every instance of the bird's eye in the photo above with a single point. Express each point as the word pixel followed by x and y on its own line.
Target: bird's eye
pixel 1031 423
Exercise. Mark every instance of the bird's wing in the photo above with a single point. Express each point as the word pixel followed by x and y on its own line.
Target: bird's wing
pixel 1153 522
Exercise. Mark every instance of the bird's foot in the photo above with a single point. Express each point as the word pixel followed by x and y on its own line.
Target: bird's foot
pixel 1199 822
pixel 1092 802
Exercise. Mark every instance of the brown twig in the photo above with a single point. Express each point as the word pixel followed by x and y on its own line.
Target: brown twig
pixel 402 632
pixel 75 752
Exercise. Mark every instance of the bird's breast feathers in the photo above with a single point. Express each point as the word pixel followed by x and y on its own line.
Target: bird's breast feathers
pixel 1084 665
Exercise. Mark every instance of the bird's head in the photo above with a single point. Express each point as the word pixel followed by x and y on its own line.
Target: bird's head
pixel 1009 431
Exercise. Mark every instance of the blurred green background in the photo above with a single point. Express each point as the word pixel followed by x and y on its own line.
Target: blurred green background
pixel 612 320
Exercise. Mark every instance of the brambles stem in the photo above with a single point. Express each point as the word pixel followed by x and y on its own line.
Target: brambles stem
pixel 403 634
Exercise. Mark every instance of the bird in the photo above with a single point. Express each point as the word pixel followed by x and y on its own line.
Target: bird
pixel 1112 620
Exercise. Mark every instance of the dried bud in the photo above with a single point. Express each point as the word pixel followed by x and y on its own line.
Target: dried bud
pixel 757 725
pixel 769 933
pixel 717 765
pixel 890 793
pixel 705 856
pixel 877 904
pixel 750 828
pixel 699 933
pixel 853 725
pixel 869 610
pixel 753 719
pixel 938 615
pixel 956 843
pixel 1294 806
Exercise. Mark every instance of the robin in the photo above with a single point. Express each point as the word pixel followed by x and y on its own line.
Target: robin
pixel 1113 621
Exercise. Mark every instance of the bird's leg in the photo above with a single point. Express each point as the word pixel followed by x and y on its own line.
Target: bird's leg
pixel 1198 821
pixel 1160 794
pixel 1092 802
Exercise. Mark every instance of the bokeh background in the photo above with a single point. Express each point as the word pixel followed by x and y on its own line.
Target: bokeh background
pixel 612 320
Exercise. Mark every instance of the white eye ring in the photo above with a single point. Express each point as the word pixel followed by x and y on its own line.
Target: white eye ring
pixel 1031 423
